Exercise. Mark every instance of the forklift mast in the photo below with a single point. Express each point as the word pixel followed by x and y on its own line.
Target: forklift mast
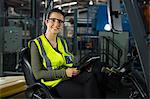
pixel 139 31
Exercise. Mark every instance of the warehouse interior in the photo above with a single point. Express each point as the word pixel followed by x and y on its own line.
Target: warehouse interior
pixel 118 31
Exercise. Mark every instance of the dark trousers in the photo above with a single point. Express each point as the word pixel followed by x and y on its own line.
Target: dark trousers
pixel 85 85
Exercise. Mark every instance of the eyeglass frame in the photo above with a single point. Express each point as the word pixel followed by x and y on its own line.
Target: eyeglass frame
pixel 53 20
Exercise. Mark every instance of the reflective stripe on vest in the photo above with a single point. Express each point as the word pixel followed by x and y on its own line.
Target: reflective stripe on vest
pixel 63 43
pixel 48 63
pixel 69 59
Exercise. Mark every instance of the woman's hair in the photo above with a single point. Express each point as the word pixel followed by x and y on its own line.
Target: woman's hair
pixel 55 10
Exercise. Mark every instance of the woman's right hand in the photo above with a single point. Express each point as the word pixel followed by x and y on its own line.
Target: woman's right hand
pixel 70 72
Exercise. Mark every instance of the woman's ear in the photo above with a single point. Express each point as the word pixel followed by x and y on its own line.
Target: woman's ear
pixel 46 21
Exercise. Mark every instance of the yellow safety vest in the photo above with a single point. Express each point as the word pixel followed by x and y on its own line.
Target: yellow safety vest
pixel 53 59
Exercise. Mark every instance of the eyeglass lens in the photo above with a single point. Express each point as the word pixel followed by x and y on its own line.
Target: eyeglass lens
pixel 54 19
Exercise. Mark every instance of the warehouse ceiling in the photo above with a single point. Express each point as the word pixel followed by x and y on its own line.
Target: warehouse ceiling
pixel 20 3
pixel 25 5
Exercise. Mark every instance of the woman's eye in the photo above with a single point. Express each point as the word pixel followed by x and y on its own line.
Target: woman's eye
pixel 59 21
pixel 53 20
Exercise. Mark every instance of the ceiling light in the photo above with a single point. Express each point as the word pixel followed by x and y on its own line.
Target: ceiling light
pixel 103 0
pixel 91 2
pixel 69 10
pixel 56 0
pixel 66 4
pixel 59 7
pixel 107 27
pixel 42 2
pixel 22 4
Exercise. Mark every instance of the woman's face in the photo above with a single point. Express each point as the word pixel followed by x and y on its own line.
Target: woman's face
pixel 55 22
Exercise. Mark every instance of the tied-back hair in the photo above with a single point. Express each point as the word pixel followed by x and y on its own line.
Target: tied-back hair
pixel 55 10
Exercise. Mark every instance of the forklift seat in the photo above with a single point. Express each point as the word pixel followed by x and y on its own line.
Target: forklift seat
pixel 35 89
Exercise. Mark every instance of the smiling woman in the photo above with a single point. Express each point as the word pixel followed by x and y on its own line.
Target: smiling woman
pixel 54 23
pixel 53 64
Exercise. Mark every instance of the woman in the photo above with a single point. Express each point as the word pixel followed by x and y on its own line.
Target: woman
pixel 53 64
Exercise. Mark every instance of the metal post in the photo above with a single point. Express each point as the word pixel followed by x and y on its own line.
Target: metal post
pixel 35 14
pixel 48 6
pixel 38 23
pixel 1 36
pixel 75 42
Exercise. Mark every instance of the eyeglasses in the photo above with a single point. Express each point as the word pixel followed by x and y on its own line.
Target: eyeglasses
pixel 54 19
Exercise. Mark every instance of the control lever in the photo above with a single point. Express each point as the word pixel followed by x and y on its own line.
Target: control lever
pixel 120 69
pixel 109 71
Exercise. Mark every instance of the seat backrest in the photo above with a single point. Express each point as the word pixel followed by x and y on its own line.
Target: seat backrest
pixel 32 83
pixel 26 66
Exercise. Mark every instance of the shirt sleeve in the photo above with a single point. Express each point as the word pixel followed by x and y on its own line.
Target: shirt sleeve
pixel 39 72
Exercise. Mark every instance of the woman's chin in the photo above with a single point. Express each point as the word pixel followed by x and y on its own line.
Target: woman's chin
pixel 55 32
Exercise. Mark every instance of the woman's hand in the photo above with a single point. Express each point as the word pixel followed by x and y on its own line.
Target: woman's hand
pixel 70 72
